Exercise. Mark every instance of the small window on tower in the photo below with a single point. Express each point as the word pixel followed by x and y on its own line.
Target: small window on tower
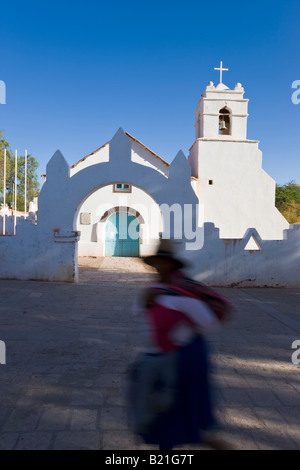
pixel 122 188
pixel 210 182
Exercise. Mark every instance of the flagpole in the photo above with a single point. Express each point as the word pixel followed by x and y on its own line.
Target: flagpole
pixel 25 190
pixel 16 175
pixel 4 192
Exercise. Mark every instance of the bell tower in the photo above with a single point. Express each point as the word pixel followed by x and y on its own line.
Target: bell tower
pixel 222 113
pixel 234 192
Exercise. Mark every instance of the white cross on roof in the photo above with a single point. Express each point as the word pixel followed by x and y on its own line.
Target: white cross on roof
pixel 221 70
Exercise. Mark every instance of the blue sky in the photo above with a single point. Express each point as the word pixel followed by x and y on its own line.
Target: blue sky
pixel 77 71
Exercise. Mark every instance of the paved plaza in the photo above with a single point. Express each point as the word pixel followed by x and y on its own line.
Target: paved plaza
pixel 68 347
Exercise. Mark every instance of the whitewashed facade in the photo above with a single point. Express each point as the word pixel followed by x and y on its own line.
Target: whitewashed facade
pixel 222 200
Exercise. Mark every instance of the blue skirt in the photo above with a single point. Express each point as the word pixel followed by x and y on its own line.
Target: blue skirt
pixel 192 412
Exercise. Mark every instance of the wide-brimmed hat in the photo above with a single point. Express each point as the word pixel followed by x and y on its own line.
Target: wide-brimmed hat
pixel 167 249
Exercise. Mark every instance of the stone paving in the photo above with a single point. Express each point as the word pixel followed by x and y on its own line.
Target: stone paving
pixel 68 347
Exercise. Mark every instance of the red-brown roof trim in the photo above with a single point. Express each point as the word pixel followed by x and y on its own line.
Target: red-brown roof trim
pixel 131 137
pixel 89 155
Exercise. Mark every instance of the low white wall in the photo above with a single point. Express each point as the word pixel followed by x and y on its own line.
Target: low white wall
pixel 33 254
pixel 225 262
pixel 10 223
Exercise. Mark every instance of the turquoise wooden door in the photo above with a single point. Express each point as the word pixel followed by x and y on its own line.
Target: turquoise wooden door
pixel 122 235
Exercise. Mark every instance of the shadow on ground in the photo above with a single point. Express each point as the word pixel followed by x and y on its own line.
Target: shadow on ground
pixel 69 347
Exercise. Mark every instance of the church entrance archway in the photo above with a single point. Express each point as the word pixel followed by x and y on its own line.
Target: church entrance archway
pixel 71 204
pixel 122 235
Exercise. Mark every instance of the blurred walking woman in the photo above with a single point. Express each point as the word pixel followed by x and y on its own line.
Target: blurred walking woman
pixel 177 322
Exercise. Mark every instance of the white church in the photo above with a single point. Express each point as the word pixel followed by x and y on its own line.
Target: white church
pixel 121 199
pixel 232 189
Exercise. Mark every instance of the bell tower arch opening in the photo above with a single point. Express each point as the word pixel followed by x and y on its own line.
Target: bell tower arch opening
pixel 225 121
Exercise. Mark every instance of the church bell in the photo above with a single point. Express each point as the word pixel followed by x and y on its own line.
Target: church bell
pixel 222 125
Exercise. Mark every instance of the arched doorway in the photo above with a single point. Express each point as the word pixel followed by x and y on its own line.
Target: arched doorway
pixel 122 235
pixel 63 217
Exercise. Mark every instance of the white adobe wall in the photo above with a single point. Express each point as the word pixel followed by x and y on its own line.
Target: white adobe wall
pixel 242 194
pixel 99 156
pixel 141 155
pixel 10 222
pixel 225 262
pixel 35 254
pixel 92 241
